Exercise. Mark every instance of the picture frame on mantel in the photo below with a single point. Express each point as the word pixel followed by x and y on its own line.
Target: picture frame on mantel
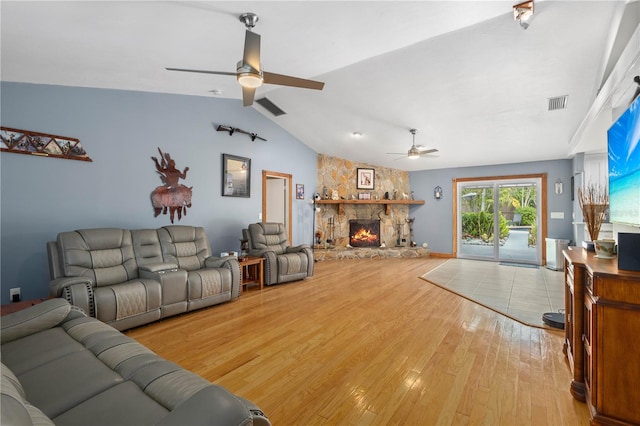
pixel 365 178
pixel 236 176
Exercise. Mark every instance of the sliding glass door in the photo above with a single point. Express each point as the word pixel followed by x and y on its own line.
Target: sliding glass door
pixel 498 220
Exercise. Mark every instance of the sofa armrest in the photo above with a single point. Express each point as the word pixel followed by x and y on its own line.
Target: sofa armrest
pixel 59 284
pixel 78 291
pixel 217 262
pixel 158 267
pixel 297 249
pixel 214 405
pixel 39 317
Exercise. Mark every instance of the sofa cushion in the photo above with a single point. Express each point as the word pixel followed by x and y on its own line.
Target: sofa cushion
pixel 16 410
pixel 105 255
pixel 51 344
pixel 124 405
pixel 73 378
pixel 187 246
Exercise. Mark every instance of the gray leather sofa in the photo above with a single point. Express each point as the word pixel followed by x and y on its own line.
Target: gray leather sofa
pixel 127 278
pixel 282 262
pixel 64 368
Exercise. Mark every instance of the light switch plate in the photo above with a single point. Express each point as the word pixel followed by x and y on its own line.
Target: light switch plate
pixel 557 215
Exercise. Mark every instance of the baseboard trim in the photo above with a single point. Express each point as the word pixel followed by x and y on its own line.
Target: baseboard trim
pixel 442 255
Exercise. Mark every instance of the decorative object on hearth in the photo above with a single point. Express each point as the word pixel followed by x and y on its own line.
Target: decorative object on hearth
pixel 437 193
pixel 249 70
pixel 400 237
pixel 171 195
pixel 410 221
pixel 41 144
pixel 236 176
pixel 593 199
pixel 233 130
pixel 334 195
pixel 416 151
pixel 365 178
pixel 331 225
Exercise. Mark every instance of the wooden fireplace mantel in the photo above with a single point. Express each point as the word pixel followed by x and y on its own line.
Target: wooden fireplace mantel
pixel 386 203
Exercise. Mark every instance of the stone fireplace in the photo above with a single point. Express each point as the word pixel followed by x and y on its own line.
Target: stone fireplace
pixel 364 233
pixel 342 202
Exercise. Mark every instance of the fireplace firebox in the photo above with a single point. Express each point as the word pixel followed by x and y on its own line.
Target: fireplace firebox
pixel 364 233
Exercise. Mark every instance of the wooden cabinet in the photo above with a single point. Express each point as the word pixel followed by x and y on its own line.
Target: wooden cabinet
pixel 573 348
pixel 606 334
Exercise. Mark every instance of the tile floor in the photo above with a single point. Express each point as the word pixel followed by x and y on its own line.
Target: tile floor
pixel 518 292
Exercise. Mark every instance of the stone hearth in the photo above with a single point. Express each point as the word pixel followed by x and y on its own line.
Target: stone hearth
pixel 369 252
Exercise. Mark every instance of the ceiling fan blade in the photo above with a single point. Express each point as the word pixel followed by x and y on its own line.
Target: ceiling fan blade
pixel 247 95
pixel 286 80
pixel 427 151
pixel 397 153
pixel 251 55
pixel 202 71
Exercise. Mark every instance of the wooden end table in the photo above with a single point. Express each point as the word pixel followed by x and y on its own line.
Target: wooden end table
pixel 252 273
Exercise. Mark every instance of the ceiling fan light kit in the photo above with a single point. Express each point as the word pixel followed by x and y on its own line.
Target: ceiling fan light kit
pixel 249 72
pixel 414 152
pixel 522 13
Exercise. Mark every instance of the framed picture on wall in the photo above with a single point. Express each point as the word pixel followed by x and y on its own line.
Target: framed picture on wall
pixel 236 176
pixel 365 178
pixel 299 191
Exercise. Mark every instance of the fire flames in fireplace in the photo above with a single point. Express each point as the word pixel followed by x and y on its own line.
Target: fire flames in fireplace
pixel 364 233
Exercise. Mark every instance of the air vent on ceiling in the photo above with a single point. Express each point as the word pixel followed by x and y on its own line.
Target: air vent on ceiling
pixel 270 106
pixel 559 102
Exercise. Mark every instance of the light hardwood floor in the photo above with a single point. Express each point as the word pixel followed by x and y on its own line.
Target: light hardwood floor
pixel 368 342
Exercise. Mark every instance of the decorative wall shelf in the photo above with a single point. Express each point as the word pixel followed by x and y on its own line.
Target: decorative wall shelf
pixel 387 203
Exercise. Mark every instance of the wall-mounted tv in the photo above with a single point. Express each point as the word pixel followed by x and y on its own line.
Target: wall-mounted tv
pixel 624 167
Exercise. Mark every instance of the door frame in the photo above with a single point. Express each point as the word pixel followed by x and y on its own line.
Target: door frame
pixel 288 178
pixel 543 207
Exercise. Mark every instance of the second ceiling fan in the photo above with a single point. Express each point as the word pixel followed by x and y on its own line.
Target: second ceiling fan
pixel 415 151
pixel 249 70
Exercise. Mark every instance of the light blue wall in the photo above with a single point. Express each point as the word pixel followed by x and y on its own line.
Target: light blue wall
pixel 434 220
pixel 120 131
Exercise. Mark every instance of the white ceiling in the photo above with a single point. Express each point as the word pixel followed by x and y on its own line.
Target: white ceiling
pixel 473 83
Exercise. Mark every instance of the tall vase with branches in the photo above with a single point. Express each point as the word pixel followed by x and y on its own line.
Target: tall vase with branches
pixel 594 200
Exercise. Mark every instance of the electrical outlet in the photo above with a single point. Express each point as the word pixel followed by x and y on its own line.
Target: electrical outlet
pixel 14 294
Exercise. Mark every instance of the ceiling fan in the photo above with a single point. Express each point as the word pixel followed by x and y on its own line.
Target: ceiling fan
pixel 415 151
pixel 249 70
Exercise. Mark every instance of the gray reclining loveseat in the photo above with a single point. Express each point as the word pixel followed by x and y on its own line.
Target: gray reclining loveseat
pixel 127 278
pixel 61 367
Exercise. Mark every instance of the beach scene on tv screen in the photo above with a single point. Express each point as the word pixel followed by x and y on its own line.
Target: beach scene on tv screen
pixel 624 167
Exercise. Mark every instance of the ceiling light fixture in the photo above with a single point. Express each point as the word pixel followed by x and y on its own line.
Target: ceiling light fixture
pixel 248 77
pixel 522 13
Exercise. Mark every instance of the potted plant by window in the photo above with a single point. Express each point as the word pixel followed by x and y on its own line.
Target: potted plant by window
pixel 594 201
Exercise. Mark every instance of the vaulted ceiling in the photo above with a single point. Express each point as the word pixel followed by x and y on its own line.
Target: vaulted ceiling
pixel 471 80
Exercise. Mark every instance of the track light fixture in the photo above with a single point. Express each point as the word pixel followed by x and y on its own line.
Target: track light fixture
pixel 522 13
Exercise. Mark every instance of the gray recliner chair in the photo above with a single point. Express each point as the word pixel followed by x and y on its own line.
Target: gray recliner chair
pixel 282 262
